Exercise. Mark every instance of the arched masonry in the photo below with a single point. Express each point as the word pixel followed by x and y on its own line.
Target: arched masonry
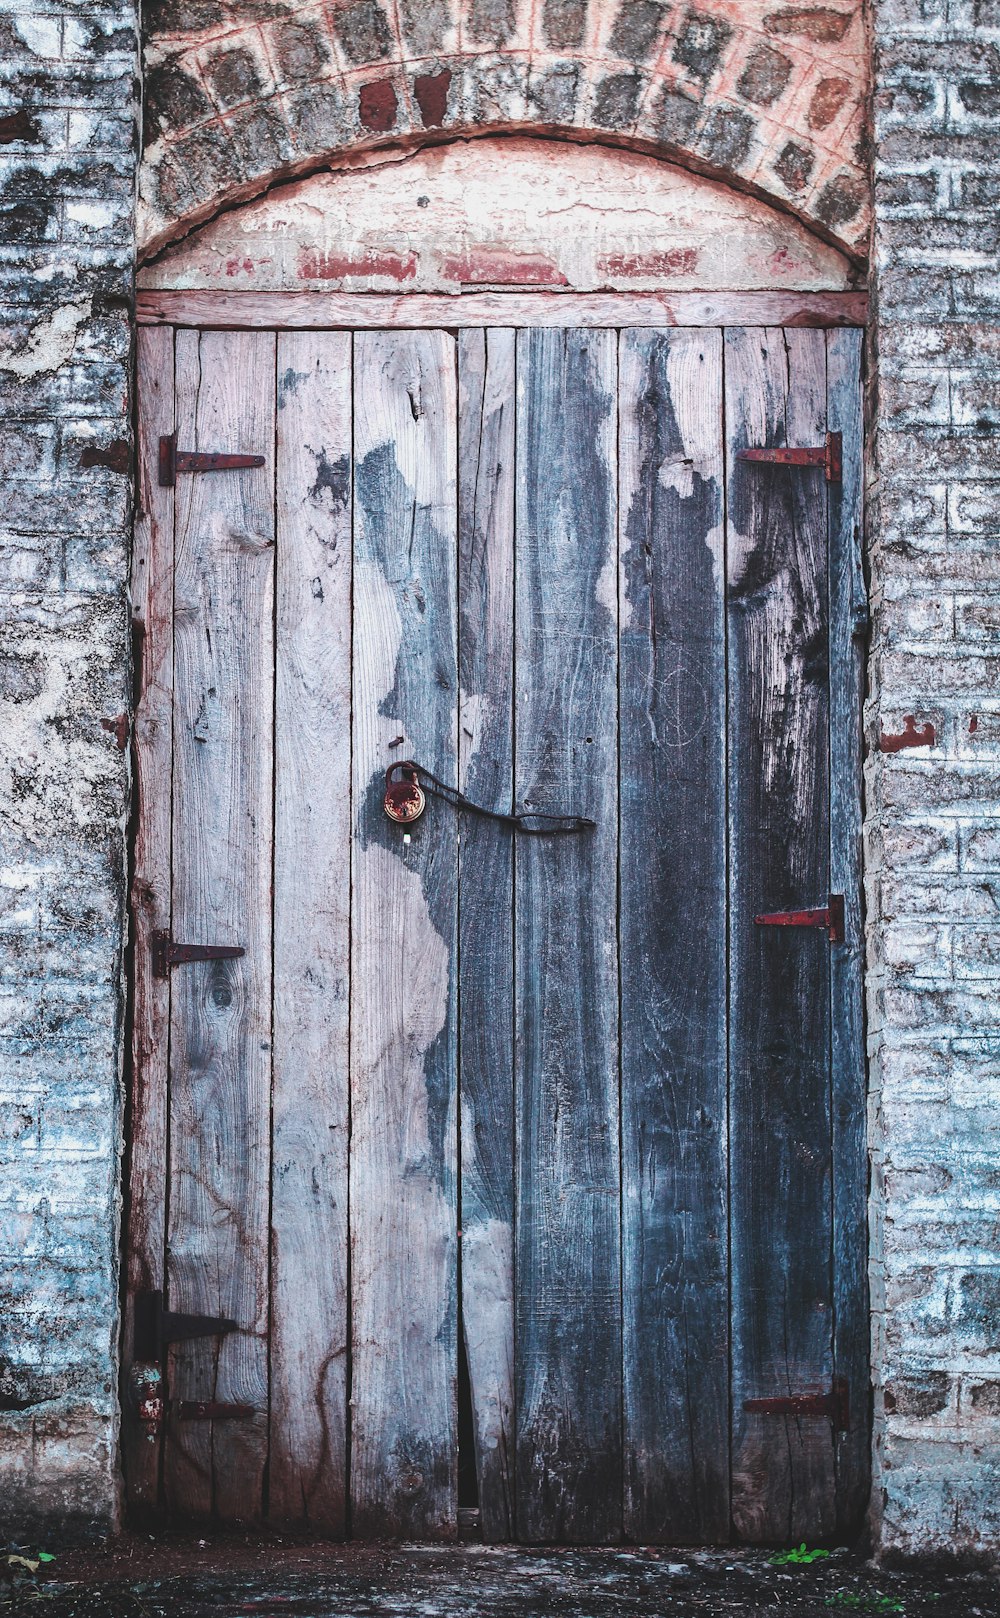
pixel 770 96
pixel 769 100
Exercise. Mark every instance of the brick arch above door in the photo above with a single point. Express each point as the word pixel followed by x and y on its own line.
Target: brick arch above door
pixel 769 96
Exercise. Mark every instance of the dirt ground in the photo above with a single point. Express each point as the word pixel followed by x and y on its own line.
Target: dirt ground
pixel 181 1577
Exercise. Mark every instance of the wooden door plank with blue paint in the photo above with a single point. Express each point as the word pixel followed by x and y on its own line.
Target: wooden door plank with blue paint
pixel 780 1125
pixel 568 1274
pixel 404 1092
pixel 848 619
pixel 307 1476
pixel 220 1087
pixel 486 662
pixel 673 938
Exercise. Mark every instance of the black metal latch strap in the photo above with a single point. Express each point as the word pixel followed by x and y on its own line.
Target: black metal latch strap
pixel 828 455
pixel 399 796
pixel 167 954
pixel 156 1326
pixel 173 460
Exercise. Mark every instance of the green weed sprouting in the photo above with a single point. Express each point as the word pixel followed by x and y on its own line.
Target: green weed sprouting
pixel 798 1556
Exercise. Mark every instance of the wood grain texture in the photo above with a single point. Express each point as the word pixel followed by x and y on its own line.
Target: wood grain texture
pixel 152 618
pixel 782 1471
pixel 404 935
pixel 848 615
pixel 673 938
pixel 486 366
pixel 568 1276
pixel 307 1476
pixel 221 1010
pixel 325 310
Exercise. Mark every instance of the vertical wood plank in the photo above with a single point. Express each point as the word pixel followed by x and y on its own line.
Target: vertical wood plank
pixel 673 938
pixel 780 1141
pixel 221 1010
pixel 848 614
pixel 152 619
pixel 404 926
pixel 486 366
pixel 568 1274
pixel 307 1477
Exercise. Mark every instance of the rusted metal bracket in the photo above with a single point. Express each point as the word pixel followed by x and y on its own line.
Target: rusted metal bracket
pixel 156 1326
pixel 209 1410
pixel 167 954
pixel 151 1408
pixel 829 916
pixel 828 455
pixel 174 460
pixel 835 1405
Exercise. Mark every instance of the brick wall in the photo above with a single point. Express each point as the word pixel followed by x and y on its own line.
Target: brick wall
pixel 934 843
pixel 67 178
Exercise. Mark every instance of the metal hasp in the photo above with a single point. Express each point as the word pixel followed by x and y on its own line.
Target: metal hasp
pixel 835 1405
pixel 829 916
pixel 174 460
pixel 167 954
pixel 829 456
pixel 156 1326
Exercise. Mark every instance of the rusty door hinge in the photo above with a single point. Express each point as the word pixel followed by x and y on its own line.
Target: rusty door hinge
pixel 828 455
pixel 151 1408
pixel 167 954
pixel 156 1326
pixel 174 460
pixel 835 1405
pixel 210 1410
pixel 829 916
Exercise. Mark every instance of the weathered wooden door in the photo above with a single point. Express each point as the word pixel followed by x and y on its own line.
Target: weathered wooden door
pixel 538 1147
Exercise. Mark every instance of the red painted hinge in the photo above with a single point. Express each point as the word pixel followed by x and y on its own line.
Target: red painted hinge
pixel 829 916
pixel 167 954
pixel 835 1405
pixel 829 456
pixel 174 460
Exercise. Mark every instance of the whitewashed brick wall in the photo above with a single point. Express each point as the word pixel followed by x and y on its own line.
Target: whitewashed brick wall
pixel 934 835
pixel 67 178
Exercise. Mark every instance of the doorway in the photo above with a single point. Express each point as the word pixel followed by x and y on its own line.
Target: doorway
pixel 580 1106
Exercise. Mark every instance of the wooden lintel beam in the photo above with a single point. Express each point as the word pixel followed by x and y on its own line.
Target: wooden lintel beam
pixel 371 311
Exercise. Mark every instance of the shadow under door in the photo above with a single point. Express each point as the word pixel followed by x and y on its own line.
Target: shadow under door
pixel 458 1151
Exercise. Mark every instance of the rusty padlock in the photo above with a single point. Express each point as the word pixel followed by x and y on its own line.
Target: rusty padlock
pixel 404 800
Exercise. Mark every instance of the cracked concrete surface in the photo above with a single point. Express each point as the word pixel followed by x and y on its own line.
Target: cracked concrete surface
pixel 170 1577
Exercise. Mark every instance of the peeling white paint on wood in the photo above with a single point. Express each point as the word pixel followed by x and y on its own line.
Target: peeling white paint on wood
pixel 403 1191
